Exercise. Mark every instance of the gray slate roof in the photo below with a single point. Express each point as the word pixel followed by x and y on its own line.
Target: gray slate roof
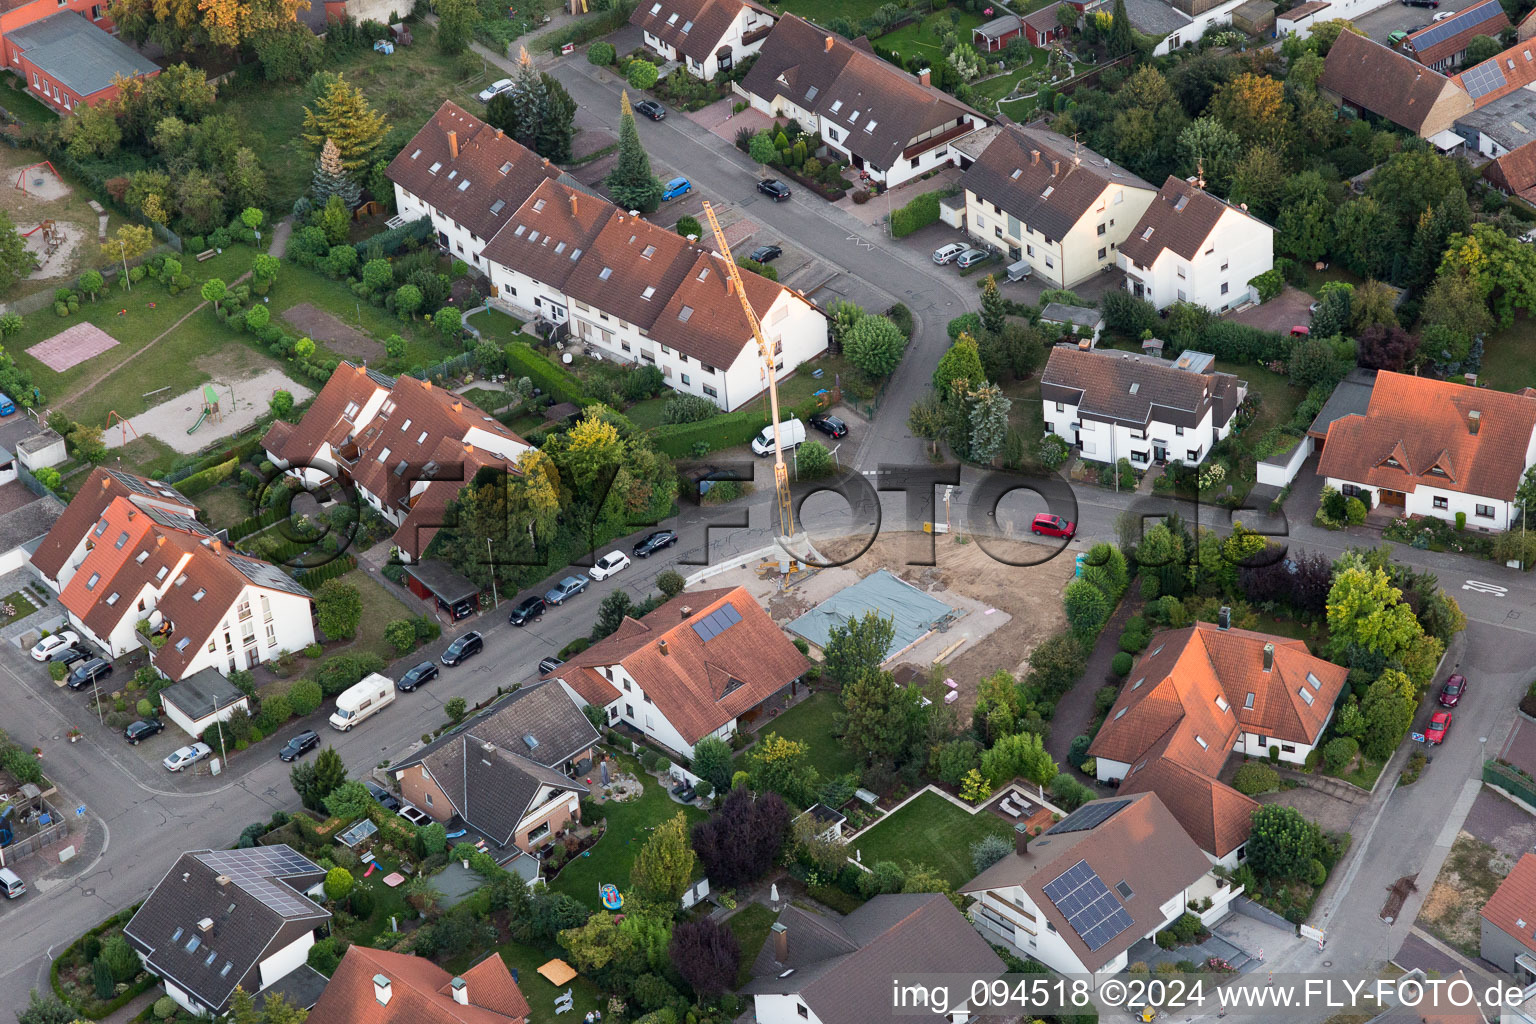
pixel 1351 397
pixel 29 522
pixel 1510 120
pixel 67 47
pixel 1060 313
pixel 544 711
pixel 842 968
pixel 491 787
pixel 1123 387
pixel 202 693
pixel 999 27
pixel 1154 17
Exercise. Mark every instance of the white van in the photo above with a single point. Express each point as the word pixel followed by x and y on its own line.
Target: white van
pixel 11 884
pixel 791 435
pixel 362 700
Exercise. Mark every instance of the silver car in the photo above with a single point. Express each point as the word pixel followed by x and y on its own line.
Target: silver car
pixel 970 258
pixel 946 253
pixel 188 755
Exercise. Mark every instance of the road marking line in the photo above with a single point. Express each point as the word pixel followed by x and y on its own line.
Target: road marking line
pixel 1458 816
pixel 1485 588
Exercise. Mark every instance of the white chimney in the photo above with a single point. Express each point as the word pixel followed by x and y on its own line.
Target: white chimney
pixel 381 989
pixel 205 925
pixel 1269 657
pixel 460 991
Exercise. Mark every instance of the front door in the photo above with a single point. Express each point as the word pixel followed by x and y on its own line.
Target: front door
pixel 1397 498
pixel 1160 453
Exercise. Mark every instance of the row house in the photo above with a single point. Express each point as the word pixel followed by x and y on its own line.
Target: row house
pixel 705 36
pixel 66 53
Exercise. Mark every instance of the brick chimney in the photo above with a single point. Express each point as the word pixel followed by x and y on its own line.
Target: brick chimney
pixel 780 942
pixel 925 76
pixel 1269 657
pixel 1034 157
pixel 381 989
pixel 1474 420
pixel 687 610
pixel 1055 168
pixel 453 145
pixel 1224 618
pixel 1021 839
pixel 661 645
pixel 829 44
pixel 460 991
pixel 573 202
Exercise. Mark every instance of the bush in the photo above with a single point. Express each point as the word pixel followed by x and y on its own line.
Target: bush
pixel 601 54
pixel 1318 873
pixel 165 1008
pixel 1166 939
pixel 1186 927
pixel 1121 665
pixel 1255 777
pixel 305 697
pixel 918 213
pixel 901 316
pixel 1339 752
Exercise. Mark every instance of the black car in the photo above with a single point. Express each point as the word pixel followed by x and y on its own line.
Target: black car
pixel 829 424
pixel 143 730
pixel 651 109
pixel 71 655
pixel 90 673
pixel 464 648
pixel 386 799
pixel 549 664
pixel 299 745
pixel 654 543
pixel 527 610
pixel 776 189
pixel 418 676
pixel 1421 3
pixel 765 254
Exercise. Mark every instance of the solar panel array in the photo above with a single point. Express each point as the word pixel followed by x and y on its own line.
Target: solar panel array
pixel 717 622
pixel 1088 905
pixel 1470 18
pixel 1483 79
pixel 265 574
pixel 256 871
pixel 1090 816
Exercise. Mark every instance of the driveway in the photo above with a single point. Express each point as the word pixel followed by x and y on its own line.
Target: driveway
pixel 1280 313
pixel 1391 17
pixel 720 119
pixel 1500 822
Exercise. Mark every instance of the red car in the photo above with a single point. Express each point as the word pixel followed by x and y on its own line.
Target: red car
pixel 1439 724
pixel 1052 526
pixel 1451 692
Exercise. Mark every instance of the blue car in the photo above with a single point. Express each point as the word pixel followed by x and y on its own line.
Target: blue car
pixel 568 587
pixel 677 187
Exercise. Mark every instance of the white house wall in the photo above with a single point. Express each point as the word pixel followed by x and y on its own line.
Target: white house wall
pixel 1110 442
pixel 457 238
pixel 782 1010
pixel 745 21
pixel 1192 32
pixel 194 727
pixel 1082 253
pixel 1237 250
pixel 1421 502
pixel 286 960
pixel 290 628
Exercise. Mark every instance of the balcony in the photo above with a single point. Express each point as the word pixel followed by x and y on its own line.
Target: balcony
pixel 754 34
pixel 916 149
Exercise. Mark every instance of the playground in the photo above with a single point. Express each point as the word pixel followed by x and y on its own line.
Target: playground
pixel 192 420
pixel 55 222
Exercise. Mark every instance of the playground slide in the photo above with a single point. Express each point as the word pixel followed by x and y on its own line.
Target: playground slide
pixel 193 428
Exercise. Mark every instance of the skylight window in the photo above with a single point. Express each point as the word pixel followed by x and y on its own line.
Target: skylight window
pixel 224 971
pixel 648 252
pixel 1048 190
pixel 498 206
pixel 869 128
pixel 853 118
pixel 212 956
pixel 1138 682
pixel 1158 651
pixel 122 539
pixel 1146 234
pixel 656 9
pixel 181 644
pixel 143 556
pixel 1119 713
pixel 1248 702
pixel 463 185
pixel 1016 172
pixel 435 167
pixel 201 593
pixel 422 437
pixel 181 580
pixel 673 19
pixel 538 205
pixel 416 154
pixel 176 935
pixel 90 584
pixel 607 272
pixel 559 247
pixel 575 255
pixel 1203 745
pixel 649 291
pixel 101 527
pixel 520 229
pixel 704 273
pixel 383 454
pixel 1316 683
pixel 687 27
pixel 836 106
pixel 533 236
pixel 684 313
pixel 406 425
pixel 1221 702
pixel 506 167
pixel 1306 695
pixel 161 574
pixel 1181 202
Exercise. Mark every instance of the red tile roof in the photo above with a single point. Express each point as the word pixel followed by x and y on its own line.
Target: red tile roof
pixel 1512 907
pixel 1180 219
pixel 693 27
pixel 1387 83
pixel 420 992
pixel 1422 425
pixel 698 685
pixel 1515 171
pixel 82 514
pixel 1216 816
pixel 1515 69
pixel 327 419
pixel 110 577
pixel 1481 19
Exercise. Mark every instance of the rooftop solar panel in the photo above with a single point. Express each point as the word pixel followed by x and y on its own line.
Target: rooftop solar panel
pixel 1463 21
pixel 1483 79
pixel 717 622
pixel 257 871
pixel 1091 816
pixel 1089 907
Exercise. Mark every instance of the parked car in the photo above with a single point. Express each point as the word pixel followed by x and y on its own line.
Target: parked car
pixel 70 655
pixel 48 646
pixel 414 815
pixel 1453 690
pixel 1443 15
pixel 188 755
pixel 566 588
pixel 1439 725
pixel 299 745
pixel 489 92
pixel 654 543
pixel 1052 526
pixel 829 424
pixel 142 730
pixel 971 257
pixel 420 675
pixel 464 648
pixel 651 109
pixel 89 673
pixel 1392 40
pixel 611 563
pixel 528 609
pixel 774 189
pixel 765 254
pixel 549 664
pixel 676 187
pixel 945 253
pixel 386 799
pixel 1421 3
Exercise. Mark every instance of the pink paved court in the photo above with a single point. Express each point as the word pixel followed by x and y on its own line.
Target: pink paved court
pixel 72 347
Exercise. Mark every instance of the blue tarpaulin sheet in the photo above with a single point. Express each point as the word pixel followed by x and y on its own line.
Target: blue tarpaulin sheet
pixel 914 613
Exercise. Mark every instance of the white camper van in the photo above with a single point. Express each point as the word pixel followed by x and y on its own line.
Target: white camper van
pixel 362 700
pixel 791 434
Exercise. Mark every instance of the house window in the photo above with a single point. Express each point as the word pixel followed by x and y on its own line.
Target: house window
pixel 1223 287
pixel 1224 265
pixel 997 232
pixel 1060 407
pixel 1102 228
pixel 429 799
pixel 1048 261
pixel 96 12
pixel 1182 296
pixel 1442 502
pixel 629 711
pixel 1485 511
pixel 271 635
pixel 1103 253
pixel 1178 431
pixel 685 380
pixel 1194 455
pixel 711 392
pixel 801 1010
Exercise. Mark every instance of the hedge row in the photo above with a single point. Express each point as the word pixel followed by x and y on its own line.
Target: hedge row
pixel 204 479
pixel 256 523
pixel 599 24
pixel 311 579
pixel 547 376
pixel 918 213
pixel 96 1009
pixel 392 240
pixel 239 452
pixel 677 440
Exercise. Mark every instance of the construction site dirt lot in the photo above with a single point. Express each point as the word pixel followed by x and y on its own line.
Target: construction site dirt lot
pixel 1030 595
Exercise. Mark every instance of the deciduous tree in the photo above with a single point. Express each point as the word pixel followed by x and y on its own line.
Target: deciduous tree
pixel 961 366
pixel 664 867
pixel 783 766
pixel 339 609
pixel 858 646
pixel 1253 106
pixel 712 761
pixel 706 954
pixel 1282 843
pixel 741 840
pixel 1387 711
pixel 456 21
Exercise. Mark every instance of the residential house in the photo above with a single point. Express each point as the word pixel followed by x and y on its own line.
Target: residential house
pixel 226 918
pixel 866 112
pixel 706 36
pixel 1504 124
pixel 1370 78
pixel 1508 922
pixel 1433 448
pixel 1443 44
pixel 1303 18
pixel 1043 28
pixel 1190 246
pixel 1044 199
pixel 132 565
pixel 1079 896
pixel 201 699
pixel 995 35
pixel 556 251
pixel 695 667
pixel 1498 77
pixel 65 58
pixel 819 969
pixel 407 446
pixel 375 986
pixel 1514 173
pixel 1087 321
pixel 510 774
pixel 1201 694
pixel 1118 405
pixel 25 521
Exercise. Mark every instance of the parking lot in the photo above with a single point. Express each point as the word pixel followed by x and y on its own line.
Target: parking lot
pixel 1396 16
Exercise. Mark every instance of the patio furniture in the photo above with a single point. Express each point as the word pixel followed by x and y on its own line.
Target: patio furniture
pixel 1007 805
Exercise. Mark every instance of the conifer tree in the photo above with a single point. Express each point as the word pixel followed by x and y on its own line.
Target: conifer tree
pixel 342 114
pixel 631 182
pixel 331 180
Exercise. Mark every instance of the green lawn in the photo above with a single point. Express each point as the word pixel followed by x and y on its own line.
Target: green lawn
pixel 386 902
pixel 810 722
pixel 20 102
pixel 649 413
pixel 628 825
pixel 1279 397
pixel 296 284
pixel 1019 110
pixel 381 606
pixel 930 830
pixel 494 325
pixel 21 602
pixel 226 505
pixel 926 37
pixel 1335 272
pixel 1507 363
pixel 525 962
pixel 750 925
pixel 406 87
pixel 485 398
pixel 1364 774
pixel 823 11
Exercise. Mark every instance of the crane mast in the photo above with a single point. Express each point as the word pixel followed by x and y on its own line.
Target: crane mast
pixel 780 471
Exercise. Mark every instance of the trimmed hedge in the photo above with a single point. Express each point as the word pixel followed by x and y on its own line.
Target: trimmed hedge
pixel 205 479
pixel 391 240
pixel 547 376
pixel 917 214
pixel 97 1009
pixel 310 579
pixel 246 527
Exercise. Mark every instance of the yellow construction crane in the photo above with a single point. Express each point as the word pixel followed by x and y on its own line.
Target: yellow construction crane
pixel 780 471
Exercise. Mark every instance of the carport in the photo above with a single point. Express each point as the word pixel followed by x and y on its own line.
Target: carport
pixel 433 580
pixel 1352 397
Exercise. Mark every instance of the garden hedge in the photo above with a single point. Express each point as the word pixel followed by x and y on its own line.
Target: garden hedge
pixel 208 478
pixel 917 214
pixel 677 440
pixel 392 240
pixel 547 376
pixel 96 1010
